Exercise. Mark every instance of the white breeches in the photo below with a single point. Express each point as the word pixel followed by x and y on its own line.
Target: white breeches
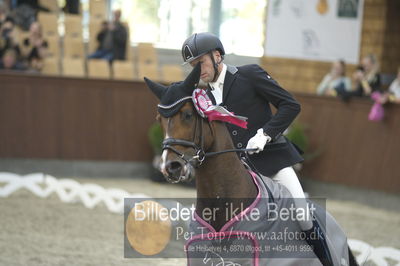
pixel 287 177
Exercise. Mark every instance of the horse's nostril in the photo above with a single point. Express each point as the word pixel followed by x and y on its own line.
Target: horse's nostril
pixel 174 167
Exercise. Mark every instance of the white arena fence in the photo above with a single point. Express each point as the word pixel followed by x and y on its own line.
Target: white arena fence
pixel 90 195
pixel 68 190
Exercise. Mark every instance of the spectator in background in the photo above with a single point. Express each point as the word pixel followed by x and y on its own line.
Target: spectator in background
pixel 72 6
pixel 9 61
pixel 34 48
pixel 35 4
pixel 367 78
pixel 3 13
pixel 104 50
pixel 25 11
pixel 335 81
pixel 120 36
pixel 7 37
pixel 394 89
pixel 112 40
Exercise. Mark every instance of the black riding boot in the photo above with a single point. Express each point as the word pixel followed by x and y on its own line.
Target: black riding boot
pixel 316 239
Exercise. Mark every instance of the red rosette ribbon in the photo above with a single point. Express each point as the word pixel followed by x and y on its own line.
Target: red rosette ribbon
pixel 206 109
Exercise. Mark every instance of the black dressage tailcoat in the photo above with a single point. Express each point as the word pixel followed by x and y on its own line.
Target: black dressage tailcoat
pixel 249 91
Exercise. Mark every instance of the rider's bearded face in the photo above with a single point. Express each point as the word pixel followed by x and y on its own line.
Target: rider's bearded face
pixel 207 68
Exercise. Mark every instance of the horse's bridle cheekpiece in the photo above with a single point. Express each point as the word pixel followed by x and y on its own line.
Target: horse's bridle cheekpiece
pixel 173 97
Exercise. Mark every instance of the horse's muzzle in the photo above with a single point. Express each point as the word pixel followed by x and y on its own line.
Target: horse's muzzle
pixel 176 171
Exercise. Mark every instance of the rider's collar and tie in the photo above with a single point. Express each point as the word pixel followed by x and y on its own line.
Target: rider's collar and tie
pixel 218 86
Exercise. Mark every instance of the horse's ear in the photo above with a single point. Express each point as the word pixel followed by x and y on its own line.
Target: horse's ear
pixel 192 80
pixel 158 89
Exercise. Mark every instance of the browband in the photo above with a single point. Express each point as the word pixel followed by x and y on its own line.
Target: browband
pixel 175 103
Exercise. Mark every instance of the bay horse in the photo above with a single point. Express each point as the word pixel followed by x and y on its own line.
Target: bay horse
pixel 228 191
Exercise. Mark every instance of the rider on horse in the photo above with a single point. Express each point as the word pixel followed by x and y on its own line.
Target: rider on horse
pixel 248 91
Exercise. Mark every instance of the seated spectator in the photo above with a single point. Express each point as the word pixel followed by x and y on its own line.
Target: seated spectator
pixel 34 48
pixel 7 37
pixel 394 89
pixel 35 4
pixel 104 38
pixel 9 61
pixel 71 6
pixel 24 13
pixel 336 81
pixel 112 40
pixel 3 13
pixel 367 78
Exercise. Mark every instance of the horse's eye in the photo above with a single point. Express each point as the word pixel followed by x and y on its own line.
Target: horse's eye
pixel 187 115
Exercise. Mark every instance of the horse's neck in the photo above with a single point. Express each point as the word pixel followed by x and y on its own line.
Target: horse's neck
pixel 223 177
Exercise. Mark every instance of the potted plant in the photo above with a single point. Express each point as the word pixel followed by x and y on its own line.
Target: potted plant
pixel 296 133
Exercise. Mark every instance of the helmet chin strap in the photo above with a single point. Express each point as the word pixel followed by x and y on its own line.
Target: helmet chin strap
pixel 215 64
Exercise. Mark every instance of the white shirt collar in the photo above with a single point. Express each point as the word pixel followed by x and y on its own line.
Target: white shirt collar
pixel 218 84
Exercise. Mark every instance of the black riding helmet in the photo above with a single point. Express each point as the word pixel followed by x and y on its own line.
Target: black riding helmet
pixel 199 44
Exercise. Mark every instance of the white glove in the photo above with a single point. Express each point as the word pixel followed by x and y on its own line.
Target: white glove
pixel 258 141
